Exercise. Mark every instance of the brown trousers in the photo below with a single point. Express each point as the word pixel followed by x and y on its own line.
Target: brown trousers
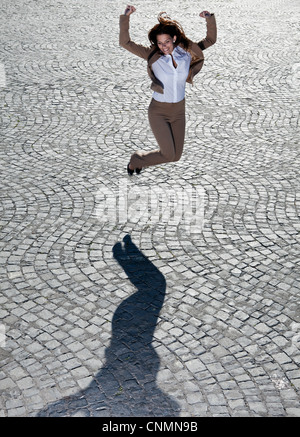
pixel 167 121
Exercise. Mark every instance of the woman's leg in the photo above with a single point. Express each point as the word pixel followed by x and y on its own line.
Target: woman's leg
pixel 167 121
pixel 178 130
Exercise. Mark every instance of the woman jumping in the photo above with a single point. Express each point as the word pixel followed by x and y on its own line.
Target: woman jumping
pixel 172 61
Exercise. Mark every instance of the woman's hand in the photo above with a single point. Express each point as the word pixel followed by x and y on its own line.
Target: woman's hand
pixel 205 14
pixel 129 10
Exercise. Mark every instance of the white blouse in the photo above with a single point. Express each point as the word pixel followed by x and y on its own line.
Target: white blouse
pixel 173 79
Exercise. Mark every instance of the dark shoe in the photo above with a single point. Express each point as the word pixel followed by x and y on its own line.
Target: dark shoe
pixel 129 171
pixel 138 170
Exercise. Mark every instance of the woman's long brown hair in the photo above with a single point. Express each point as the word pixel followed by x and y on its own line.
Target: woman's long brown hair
pixel 169 27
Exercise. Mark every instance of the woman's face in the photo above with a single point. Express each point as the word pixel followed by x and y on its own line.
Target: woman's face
pixel 165 43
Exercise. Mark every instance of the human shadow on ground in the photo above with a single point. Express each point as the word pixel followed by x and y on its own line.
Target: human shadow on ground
pixel 126 384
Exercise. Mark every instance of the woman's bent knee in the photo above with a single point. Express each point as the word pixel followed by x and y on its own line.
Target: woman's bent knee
pixel 177 157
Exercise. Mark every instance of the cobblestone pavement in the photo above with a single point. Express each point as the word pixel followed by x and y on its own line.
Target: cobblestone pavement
pixel 116 315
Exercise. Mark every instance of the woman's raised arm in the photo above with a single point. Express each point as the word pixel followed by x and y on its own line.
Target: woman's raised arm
pixel 124 37
pixel 211 33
